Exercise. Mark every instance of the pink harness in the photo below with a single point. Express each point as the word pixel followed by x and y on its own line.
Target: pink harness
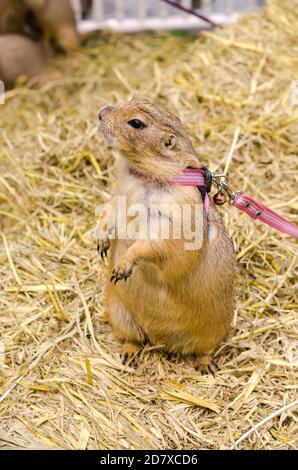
pixel 256 210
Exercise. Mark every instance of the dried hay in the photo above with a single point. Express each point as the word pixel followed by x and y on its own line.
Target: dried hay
pixel 61 379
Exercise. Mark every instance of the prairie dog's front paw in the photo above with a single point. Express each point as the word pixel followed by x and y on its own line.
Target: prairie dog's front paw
pixel 104 243
pixel 103 246
pixel 122 271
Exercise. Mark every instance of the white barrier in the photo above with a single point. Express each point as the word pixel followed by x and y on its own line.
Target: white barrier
pixel 138 15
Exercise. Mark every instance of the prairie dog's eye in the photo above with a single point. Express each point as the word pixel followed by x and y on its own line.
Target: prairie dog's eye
pixel 136 124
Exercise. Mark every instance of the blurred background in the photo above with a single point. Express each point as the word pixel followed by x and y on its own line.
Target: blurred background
pixel 33 31
pixel 145 14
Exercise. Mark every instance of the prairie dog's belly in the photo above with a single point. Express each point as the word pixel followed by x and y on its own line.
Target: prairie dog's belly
pixel 182 316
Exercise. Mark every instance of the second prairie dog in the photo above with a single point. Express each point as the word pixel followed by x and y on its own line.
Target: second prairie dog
pixel 181 299
pixel 57 20
pixel 21 56
pixel 12 13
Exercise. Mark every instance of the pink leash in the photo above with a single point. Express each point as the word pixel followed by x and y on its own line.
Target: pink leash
pixel 193 177
pixel 256 210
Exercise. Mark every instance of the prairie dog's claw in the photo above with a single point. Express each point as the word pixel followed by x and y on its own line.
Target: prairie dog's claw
pixel 129 353
pixel 103 248
pixel 119 273
pixel 205 365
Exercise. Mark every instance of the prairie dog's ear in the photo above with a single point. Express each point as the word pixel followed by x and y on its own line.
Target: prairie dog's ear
pixel 168 142
pixel 193 162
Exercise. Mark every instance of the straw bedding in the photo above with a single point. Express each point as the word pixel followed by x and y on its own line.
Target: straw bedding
pixel 62 384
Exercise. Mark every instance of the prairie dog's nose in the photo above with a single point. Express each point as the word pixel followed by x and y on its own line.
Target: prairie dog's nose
pixel 103 111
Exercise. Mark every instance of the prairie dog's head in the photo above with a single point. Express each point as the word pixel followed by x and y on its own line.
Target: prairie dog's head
pixel 154 142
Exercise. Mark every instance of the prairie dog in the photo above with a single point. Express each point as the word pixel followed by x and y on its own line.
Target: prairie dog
pixel 183 299
pixel 57 20
pixel 21 56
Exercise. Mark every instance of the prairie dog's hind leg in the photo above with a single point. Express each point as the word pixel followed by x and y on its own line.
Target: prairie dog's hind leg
pixel 205 364
pixel 123 325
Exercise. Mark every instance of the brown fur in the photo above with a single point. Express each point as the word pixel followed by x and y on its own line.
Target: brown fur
pixel 12 14
pixel 57 20
pixel 21 56
pixel 181 299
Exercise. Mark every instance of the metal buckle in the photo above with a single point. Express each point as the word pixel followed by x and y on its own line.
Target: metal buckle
pixel 222 183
